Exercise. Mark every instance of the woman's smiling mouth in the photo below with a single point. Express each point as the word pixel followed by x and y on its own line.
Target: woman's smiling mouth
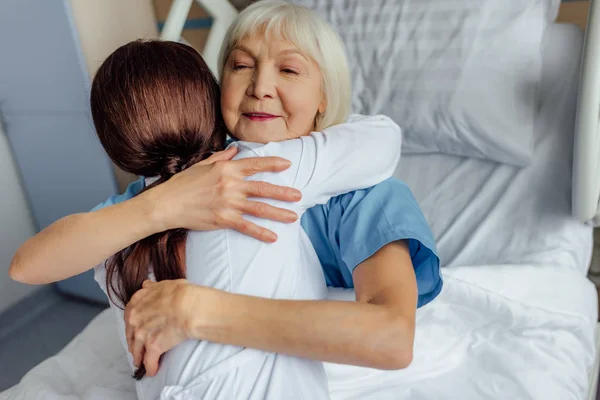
pixel 259 117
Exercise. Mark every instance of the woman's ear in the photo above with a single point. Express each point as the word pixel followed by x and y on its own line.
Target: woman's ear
pixel 322 107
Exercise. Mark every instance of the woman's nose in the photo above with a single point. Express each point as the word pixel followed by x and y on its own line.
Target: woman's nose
pixel 263 84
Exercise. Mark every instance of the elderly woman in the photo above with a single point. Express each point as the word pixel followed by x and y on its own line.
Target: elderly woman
pixel 375 240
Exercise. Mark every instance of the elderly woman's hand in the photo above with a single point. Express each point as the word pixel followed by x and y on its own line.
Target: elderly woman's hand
pixel 158 318
pixel 214 195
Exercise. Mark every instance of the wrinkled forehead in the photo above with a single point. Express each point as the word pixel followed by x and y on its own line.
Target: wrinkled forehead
pixel 279 30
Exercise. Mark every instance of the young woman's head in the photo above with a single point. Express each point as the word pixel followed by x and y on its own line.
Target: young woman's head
pixel 155 107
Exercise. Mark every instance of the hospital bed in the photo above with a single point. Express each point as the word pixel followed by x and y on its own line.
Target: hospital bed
pixel 517 318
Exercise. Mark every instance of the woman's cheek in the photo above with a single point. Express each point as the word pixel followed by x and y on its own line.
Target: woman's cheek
pixel 230 119
pixel 229 111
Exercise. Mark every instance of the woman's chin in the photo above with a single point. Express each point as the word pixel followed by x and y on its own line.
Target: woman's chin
pixel 257 135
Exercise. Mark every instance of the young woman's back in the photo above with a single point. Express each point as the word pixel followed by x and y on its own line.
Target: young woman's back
pixel 227 260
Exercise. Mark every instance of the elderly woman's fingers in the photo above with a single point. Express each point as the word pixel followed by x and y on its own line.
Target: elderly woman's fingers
pixel 131 315
pixel 159 342
pixel 254 165
pixel 138 359
pixel 147 283
pixel 129 329
pixel 137 348
pixel 129 333
pixel 251 229
pixel 152 358
pixel 270 191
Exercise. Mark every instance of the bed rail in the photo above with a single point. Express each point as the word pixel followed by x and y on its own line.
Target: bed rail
pixel 586 151
pixel 223 14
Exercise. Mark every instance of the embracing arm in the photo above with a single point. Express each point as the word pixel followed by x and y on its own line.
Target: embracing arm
pixel 375 331
pixel 210 195
pixel 350 156
pixel 74 244
pixel 344 157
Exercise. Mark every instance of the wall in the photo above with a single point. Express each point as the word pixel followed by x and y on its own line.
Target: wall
pixel 105 25
pixel 575 12
pixel 16 225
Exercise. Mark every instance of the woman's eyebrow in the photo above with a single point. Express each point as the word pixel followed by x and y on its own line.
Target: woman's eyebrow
pixel 244 49
pixel 288 52
pixel 282 53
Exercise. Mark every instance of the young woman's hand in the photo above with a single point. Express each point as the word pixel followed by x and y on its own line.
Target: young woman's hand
pixel 214 195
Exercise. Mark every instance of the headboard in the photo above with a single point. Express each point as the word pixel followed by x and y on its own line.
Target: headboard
pixel 574 12
pixel 223 14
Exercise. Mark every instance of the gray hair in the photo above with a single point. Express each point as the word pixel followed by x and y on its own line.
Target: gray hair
pixel 311 35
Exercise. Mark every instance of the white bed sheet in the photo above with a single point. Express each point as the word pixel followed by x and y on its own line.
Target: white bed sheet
pixel 488 213
pixel 495 332
pixel 523 330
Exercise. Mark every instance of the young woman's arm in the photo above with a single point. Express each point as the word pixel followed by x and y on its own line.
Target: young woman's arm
pixel 209 195
pixel 375 331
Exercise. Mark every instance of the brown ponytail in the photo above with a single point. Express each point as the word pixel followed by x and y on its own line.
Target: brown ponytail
pixel 155 107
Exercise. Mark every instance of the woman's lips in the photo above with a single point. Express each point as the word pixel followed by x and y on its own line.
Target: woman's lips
pixel 260 117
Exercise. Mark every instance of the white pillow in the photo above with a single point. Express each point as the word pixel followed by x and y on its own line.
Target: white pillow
pixel 459 76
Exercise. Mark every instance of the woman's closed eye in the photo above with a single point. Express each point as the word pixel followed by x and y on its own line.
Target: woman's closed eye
pixel 239 67
pixel 289 71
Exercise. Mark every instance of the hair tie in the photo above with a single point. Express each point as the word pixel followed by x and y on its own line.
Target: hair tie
pixel 172 166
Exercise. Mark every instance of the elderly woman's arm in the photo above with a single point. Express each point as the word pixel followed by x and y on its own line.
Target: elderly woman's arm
pixel 375 331
pixel 210 195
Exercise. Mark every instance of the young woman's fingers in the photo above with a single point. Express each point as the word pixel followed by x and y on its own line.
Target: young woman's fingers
pixel 270 191
pixel 266 211
pixel 224 155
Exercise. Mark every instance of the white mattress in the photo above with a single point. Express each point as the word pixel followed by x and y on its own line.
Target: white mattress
pixel 488 213
pixel 524 330
pixel 495 332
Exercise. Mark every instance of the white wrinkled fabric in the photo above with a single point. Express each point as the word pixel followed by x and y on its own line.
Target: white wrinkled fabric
pixel 461 77
pixel 483 212
pixel 495 332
